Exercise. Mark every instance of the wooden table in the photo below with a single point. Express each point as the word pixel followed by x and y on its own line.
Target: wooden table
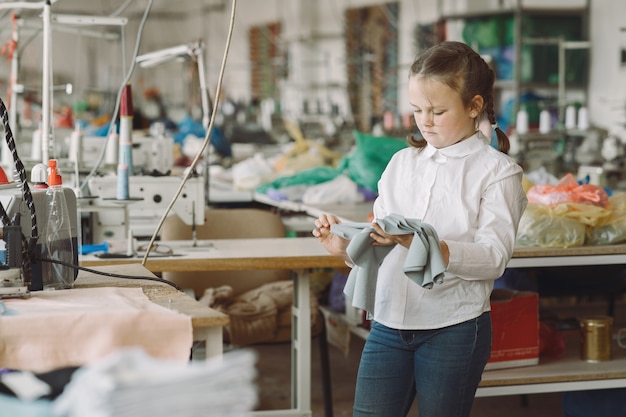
pixel 233 255
pixel 302 254
pixel 292 253
pixel 206 322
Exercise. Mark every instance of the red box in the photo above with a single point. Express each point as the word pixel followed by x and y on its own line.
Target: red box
pixel 515 323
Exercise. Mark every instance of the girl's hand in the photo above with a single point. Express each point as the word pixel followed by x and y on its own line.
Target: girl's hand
pixel 384 239
pixel 334 244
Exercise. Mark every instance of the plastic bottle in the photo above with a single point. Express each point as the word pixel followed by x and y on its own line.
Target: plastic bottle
pixel 75 153
pixel 58 237
pixel 521 121
pixel 545 121
pixel 570 117
pixel 583 118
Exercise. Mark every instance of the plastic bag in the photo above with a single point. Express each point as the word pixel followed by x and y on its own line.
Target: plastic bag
pixel 612 229
pixel 568 191
pixel 251 172
pixel 341 190
pixel 367 162
pixel 540 226
pixel 586 214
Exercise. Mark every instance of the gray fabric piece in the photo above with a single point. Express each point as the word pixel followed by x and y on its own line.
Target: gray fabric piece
pixel 423 264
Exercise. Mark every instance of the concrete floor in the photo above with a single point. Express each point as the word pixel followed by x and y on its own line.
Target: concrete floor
pixel 274 375
pixel 274 388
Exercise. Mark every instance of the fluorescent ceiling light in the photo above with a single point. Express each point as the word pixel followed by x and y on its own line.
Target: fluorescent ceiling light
pixel 153 58
pixel 84 20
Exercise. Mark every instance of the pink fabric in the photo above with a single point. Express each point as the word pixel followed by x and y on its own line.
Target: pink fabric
pixel 74 327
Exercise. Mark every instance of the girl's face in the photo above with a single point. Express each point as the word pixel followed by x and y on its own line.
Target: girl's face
pixel 439 112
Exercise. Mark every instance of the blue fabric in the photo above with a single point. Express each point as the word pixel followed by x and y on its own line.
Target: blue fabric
pixel 11 406
pixel 423 264
pixel 188 126
pixel 441 366
pixel 336 298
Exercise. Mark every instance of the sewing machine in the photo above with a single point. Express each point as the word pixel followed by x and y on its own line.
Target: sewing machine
pixel 150 153
pixel 149 197
pixel 12 281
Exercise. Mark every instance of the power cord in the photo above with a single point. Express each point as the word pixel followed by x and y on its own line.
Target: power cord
pixel 108 274
pixel 207 137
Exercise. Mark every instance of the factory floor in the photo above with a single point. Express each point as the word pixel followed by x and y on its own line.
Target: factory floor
pixel 274 373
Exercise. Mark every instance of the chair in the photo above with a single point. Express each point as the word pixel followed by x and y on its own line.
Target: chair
pixel 220 223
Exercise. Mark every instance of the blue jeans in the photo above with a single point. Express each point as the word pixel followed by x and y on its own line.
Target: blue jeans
pixel 442 367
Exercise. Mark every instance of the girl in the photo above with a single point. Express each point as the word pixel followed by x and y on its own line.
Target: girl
pixel 434 343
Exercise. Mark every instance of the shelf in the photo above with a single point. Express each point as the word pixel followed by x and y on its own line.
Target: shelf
pixel 484 14
pixel 556 134
pixel 535 49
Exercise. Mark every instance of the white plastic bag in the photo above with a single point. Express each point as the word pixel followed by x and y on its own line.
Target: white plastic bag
pixel 341 190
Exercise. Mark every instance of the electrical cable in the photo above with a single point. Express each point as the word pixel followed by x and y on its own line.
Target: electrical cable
pixel 119 95
pixel 207 137
pixel 108 274
pixel 121 8
pixel 28 247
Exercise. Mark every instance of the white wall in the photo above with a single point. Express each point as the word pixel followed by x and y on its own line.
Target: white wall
pixel 607 87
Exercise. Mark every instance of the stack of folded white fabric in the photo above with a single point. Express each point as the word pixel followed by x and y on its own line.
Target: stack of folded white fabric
pixel 131 383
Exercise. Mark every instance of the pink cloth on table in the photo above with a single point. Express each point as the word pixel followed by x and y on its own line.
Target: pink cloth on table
pixel 74 327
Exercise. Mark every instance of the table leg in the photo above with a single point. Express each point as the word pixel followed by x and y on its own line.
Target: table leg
pixel 300 350
pixel 301 343
pixel 213 339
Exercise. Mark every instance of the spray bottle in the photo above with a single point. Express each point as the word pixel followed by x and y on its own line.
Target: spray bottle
pixel 58 237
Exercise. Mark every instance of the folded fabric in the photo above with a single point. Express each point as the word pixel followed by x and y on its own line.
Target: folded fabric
pixel 423 264
pixel 53 329
pixel 131 383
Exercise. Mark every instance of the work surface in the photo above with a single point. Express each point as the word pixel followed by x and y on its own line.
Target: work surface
pixel 206 322
pixel 160 293
pixel 233 254
pixel 307 252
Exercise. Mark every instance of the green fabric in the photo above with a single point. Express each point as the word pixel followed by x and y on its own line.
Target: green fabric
pixel 310 176
pixel 364 165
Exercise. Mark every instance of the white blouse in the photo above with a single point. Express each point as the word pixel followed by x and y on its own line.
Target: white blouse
pixel 472 195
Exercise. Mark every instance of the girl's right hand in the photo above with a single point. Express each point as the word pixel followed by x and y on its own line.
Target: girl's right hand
pixel 334 244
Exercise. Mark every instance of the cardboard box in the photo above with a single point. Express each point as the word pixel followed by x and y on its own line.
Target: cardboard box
pixel 515 322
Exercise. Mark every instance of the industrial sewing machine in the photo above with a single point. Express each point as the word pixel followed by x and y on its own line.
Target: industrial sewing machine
pixel 12 281
pixel 149 197
pixel 150 153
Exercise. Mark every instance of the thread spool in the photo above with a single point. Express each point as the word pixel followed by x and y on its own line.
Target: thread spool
pixel 35 150
pixel 124 166
pixel 583 118
pixel 545 121
pixel 521 122
pixel 112 149
pixel 570 117
pixel 125 159
pixel 596 336
pixel 75 153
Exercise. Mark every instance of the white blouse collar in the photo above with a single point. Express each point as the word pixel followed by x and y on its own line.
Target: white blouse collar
pixel 459 149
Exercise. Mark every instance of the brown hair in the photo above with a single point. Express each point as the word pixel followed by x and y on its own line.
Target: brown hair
pixel 459 67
